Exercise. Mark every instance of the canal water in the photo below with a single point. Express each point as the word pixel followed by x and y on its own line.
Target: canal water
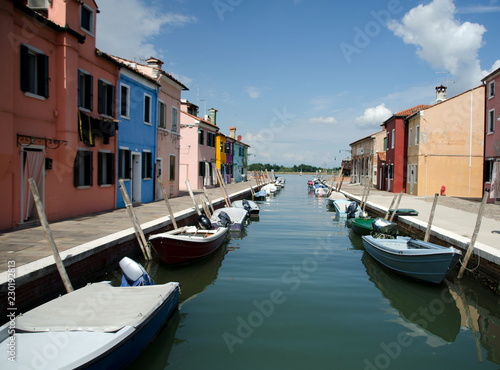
pixel 296 290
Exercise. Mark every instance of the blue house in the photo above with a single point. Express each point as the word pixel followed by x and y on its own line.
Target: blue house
pixel 137 105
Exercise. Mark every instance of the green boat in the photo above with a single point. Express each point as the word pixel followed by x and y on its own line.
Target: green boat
pixel 404 212
pixel 362 226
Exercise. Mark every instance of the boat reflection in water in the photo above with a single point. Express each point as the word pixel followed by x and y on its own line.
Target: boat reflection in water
pixel 428 311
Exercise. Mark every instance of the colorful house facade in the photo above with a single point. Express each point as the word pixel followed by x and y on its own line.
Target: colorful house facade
pixel 138 101
pixel 444 147
pixel 197 149
pixel 394 171
pixel 492 136
pixel 364 154
pixel 57 112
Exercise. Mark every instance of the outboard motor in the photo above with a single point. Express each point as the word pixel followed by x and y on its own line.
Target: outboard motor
pixel 351 209
pixel 224 219
pixel 134 274
pixel 246 205
pixel 204 222
pixel 384 229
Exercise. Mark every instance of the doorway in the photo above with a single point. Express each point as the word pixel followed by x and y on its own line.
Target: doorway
pixel 32 166
pixel 136 177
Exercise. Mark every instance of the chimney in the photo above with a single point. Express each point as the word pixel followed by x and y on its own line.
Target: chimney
pixel 232 132
pixel 440 93
pixel 156 65
pixel 212 112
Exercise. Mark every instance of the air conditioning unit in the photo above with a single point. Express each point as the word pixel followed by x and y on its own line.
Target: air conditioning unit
pixel 39 4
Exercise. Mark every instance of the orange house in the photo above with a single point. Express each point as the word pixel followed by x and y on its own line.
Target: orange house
pixel 57 112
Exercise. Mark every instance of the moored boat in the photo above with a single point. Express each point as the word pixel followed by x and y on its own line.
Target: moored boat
pixel 412 257
pixel 234 217
pixel 187 244
pixel 249 205
pixel 361 226
pixel 95 327
pixel 345 208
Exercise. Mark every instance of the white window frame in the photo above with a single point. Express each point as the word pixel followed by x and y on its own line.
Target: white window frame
pixel 491 89
pixel 92 19
pixel 491 121
pixel 108 96
pixel 161 114
pixel 150 113
pixel 175 119
pixel 417 135
pixel 127 107
pixel 393 138
pixel 410 136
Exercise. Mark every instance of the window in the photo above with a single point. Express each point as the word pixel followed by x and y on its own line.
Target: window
pixel 147 109
pixel 391 171
pixel 147 165
pixel 82 168
pixel 162 115
pixel 87 19
pixel 174 119
pixel 172 168
pixel 201 169
pixel 84 90
pixel 211 139
pixel 393 138
pixel 201 136
pixel 410 134
pixel 105 176
pixel 34 72
pixel 417 135
pixel 106 98
pixel 124 164
pixel 491 89
pixel 124 100
pixel 491 121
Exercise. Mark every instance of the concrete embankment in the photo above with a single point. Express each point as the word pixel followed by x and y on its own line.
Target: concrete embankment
pixel 90 246
pixel 453 225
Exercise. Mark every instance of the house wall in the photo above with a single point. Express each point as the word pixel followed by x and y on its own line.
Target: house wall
pixel 450 149
pixel 395 154
pixel 189 154
pixel 137 136
pixel 53 117
pixel 492 139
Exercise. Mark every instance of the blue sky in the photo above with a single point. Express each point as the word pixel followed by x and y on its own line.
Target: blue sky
pixel 302 79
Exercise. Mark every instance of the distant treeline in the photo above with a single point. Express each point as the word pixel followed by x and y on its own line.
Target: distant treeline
pixel 277 168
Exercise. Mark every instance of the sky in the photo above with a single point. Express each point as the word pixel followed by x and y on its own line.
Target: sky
pixel 302 79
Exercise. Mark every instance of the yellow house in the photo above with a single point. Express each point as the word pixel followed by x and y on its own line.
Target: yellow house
pixel 445 146
pixel 220 151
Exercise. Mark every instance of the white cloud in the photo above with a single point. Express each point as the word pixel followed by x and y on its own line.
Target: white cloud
pixel 373 117
pixel 322 120
pixel 253 92
pixel 133 39
pixel 443 40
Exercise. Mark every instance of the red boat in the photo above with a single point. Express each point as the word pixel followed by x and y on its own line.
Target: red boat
pixel 187 243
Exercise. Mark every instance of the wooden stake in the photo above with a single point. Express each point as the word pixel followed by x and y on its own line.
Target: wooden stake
pixel 139 234
pixel 397 206
pixel 223 188
pixel 431 218
pixel 196 206
pixel 470 249
pixel 167 202
pixel 209 200
pixel 390 207
pixel 49 237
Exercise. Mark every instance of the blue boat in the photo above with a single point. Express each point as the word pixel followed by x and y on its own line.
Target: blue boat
pixel 412 257
pixel 95 327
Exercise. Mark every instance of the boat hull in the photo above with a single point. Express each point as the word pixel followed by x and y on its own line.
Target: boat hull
pixel 176 249
pixel 414 258
pixel 362 226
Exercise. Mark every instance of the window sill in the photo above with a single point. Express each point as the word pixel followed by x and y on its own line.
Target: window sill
pixel 33 95
pixel 81 187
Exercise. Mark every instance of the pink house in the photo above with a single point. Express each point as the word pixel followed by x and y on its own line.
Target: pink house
pixel 492 136
pixel 197 148
pixel 57 112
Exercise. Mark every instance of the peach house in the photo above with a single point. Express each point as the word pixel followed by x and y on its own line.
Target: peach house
pixel 57 111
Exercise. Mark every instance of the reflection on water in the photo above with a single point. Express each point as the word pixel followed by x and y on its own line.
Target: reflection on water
pixel 345 312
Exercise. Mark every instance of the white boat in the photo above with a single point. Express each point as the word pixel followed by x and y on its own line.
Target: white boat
pixel 412 257
pixel 346 208
pixel 237 217
pixel 335 195
pixel 269 188
pixel 98 326
pixel 249 205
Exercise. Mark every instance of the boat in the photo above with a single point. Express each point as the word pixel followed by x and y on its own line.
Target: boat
pixel 412 257
pixel 260 195
pixel 133 274
pixel 333 197
pixel 249 205
pixel 270 188
pixel 321 190
pixel 346 208
pixel 361 226
pixel 98 326
pixel 404 212
pixel 187 243
pixel 280 182
pixel 234 217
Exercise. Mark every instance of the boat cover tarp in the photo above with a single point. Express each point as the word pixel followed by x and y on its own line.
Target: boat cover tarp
pixel 97 307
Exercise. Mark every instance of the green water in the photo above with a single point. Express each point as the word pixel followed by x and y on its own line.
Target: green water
pixel 297 291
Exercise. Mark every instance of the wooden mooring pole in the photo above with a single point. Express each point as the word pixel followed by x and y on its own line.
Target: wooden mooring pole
pixel 145 248
pixel 167 202
pixel 470 249
pixel 431 218
pixel 49 237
